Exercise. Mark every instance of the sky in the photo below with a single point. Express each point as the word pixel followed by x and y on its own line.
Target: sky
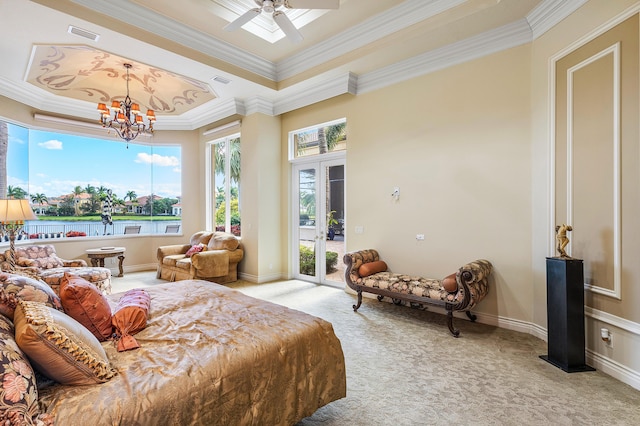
pixel 53 164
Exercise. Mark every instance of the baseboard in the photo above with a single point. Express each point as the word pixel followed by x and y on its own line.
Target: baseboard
pixel 134 268
pixel 263 278
pixel 613 369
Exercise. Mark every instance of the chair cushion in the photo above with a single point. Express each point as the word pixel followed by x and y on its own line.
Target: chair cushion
pixel 201 237
pixel 86 304
pixel 223 241
pixel 17 287
pixel 172 259
pixel 60 347
pixel 42 256
pixel 184 263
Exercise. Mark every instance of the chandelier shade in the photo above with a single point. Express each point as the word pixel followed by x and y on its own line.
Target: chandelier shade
pixel 127 119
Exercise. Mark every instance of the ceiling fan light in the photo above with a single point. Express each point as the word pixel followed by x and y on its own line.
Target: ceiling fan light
pixel 267 6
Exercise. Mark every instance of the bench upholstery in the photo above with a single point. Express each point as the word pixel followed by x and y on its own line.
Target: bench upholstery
pixel 460 291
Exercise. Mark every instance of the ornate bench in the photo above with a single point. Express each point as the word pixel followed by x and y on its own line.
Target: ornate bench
pixel 460 291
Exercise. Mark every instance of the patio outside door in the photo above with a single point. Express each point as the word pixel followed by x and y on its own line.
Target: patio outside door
pixel 319 209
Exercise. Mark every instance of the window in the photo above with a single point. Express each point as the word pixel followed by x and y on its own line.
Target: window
pixel 223 165
pixel 82 186
pixel 318 140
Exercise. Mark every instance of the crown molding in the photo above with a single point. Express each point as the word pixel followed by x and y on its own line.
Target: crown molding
pixel 374 28
pixel 170 29
pixel 505 37
pixel 202 116
pixel 321 90
pixel 258 104
pixel 549 13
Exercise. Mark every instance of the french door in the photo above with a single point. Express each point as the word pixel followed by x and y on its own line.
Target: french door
pixel 319 221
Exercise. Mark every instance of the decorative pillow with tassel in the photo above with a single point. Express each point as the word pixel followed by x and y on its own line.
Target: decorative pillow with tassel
pixel 130 317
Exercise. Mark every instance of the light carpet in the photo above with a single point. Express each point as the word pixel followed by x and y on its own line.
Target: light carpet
pixel 404 368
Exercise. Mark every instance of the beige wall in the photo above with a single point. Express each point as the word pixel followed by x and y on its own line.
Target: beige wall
pixel 457 144
pixel 621 358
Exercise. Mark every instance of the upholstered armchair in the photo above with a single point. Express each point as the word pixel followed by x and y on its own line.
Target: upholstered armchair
pixel 212 256
pixel 41 261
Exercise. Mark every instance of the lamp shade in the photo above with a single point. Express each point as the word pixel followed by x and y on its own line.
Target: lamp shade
pixel 16 211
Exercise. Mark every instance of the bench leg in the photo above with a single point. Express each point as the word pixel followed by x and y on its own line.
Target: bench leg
pixel 355 307
pixel 453 331
pixel 471 316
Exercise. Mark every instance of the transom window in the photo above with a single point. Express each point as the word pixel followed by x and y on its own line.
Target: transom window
pixel 318 140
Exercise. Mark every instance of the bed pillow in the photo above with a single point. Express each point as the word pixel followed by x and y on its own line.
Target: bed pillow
pixel 449 283
pixel 371 268
pixel 129 317
pixel 197 248
pixel 60 347
pixel 17 287
pixel 86 304
pixel 18 391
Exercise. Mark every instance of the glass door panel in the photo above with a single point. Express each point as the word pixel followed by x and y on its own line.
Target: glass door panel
pixel 319 213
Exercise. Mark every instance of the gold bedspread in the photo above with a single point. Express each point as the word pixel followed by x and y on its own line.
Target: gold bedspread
pixel 211 355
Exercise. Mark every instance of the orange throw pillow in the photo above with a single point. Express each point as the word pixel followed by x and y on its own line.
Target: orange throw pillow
pixel 450 284
pixel 372 268
pixel 130 317
pixel 83 302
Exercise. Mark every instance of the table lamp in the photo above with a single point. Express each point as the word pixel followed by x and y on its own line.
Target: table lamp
pixel 13 213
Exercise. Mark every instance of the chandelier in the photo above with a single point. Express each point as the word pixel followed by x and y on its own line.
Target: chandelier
pixel 127 120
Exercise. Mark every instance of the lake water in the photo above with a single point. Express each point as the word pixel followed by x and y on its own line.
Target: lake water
pixel 93 228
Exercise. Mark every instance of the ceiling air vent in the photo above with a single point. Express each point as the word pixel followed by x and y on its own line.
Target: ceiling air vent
pixel 83 33
pixel 221 80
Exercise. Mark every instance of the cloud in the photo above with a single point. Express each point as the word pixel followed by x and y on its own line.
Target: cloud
pixel 52 144
pixel 158 160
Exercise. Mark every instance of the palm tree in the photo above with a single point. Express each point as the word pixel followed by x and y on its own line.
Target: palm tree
pixel 16 192
pixel 4 146
pixel 234 148
pixel 90 189
pixel 131 195
pixel 77 191
pixel 39 199
pixel 322 141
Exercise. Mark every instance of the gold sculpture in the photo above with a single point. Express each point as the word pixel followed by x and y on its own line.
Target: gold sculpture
pixel 563 240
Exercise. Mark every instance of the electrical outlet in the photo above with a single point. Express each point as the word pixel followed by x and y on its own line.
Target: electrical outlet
pixel 420 237
pixel 610 342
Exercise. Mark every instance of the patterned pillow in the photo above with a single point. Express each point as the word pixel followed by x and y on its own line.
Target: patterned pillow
pixel 195 249
pixel 18 391
pixel 43 257
pixel 86 304
pixel 60 347
pixel 17 287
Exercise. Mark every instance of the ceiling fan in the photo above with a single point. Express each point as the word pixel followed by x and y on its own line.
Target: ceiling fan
pixel 276 7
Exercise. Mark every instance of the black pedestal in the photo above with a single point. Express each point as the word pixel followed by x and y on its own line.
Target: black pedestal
pixel 565 315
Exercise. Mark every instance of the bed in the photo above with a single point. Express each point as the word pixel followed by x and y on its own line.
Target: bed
pixel 211 355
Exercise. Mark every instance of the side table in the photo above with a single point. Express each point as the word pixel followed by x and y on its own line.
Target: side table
pixel 98 255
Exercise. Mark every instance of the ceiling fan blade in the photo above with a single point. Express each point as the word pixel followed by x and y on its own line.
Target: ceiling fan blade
pixel 246 17
pixel 312 4
pixel 287 26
